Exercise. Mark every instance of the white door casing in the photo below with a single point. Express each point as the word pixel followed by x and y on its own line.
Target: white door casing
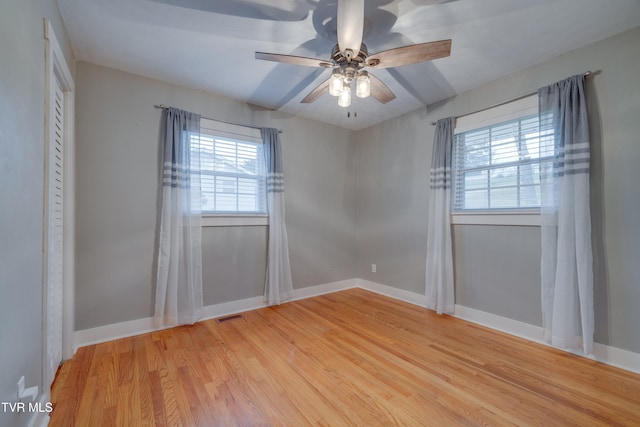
pixel 58 211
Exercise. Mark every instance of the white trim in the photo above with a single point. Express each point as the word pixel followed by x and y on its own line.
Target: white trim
pixel 41 419
pixel 68 290
pixel 239 306
pixel 395 293
pixel 131 328
pixel 496 218
pixel 234 221
pixel 326 288
pixel 114 331
pixel 232 307
pixel 61 68
pixel 499 323
pixel 57 70
pixel 523 107
pixel 230 130
pixel 603 353
pixel 613 356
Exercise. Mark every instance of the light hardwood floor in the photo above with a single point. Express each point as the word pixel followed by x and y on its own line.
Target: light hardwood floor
pixel 347 358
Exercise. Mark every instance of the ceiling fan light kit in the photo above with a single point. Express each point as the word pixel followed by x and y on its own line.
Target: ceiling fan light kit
pixel 335 83
pixel 363 85
pixel 350 56
pixel 344 99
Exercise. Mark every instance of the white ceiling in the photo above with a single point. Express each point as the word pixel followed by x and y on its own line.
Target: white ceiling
pixel 210 44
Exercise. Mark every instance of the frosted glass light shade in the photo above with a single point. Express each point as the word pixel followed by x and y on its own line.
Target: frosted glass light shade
pixel 344 100
pixel 350 22
pixel 363 85
pixel 336 83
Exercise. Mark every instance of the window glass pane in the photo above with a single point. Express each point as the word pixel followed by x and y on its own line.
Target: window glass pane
pixel 208 201
pixel 502 198
pixel 232 174
pixel 225 202
pixel 529 125
pixel 476 199
pixel 529 174
pixel 530 196
pixel 504 152
pixel 475 149
pixel 498 167
pixel 247 185
pixel 207 182
pixel 247 161
pixel 476 158
pixel 225 184
pixel 503 177
pixel 476 180
pixel 530 142
pixel 247 202
pixel 504 132
pixel 476 139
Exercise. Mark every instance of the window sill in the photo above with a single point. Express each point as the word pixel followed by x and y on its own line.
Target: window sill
pixel 528 219
pixel 234 221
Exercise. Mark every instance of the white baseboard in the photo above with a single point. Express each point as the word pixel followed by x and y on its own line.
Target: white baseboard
pixel 617 357
pixel 603 353
pixel 131 328
pixel 499 323
pixel 395 293
pixel 232 307
pixel 40 419
pixel 327 288
pixel 613 356
pixel 114 331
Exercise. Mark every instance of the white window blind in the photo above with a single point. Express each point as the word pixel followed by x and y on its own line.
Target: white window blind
pixel 496 165
pixel 232 169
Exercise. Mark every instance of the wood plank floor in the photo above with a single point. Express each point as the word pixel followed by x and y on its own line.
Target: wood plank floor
pixel 347 358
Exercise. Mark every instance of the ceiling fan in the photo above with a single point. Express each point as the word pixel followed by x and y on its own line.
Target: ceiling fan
pixel 350 58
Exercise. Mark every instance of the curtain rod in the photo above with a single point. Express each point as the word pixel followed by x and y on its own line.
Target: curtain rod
pixel 221 121
pixel 586 74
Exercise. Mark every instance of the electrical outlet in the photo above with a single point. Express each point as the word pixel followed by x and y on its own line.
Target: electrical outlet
pixel 373 268
pixel 20 387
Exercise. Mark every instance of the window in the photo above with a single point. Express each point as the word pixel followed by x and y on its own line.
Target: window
pixel 496 160
pixel 232 168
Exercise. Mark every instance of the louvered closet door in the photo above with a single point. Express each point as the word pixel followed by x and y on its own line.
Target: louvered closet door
pixel 55 237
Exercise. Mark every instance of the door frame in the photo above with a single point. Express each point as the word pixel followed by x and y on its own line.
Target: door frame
pixel 56 68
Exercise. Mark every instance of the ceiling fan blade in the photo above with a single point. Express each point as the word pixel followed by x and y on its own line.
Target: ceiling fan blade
pixel 350 25
pixel 315 94
pixel 273 10
pixel 380 91
pixel 411 54
pixel 292 59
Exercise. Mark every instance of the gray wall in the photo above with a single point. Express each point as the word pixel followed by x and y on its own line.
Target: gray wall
pixel 117 196
pixel 22 95
pixel 497 268
pixel 371 185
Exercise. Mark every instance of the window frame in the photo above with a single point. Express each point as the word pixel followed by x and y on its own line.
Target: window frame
pixel 517 109
pixel 240 134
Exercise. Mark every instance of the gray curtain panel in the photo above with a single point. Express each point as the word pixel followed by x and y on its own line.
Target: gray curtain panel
pixel 566 261
pixel 439 270
pixel 278 285
pixel 179 279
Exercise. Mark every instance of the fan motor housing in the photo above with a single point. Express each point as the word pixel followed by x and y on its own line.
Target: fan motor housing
pixel 342 61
